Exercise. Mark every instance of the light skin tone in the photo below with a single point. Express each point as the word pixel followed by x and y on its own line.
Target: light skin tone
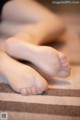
pixel 30 28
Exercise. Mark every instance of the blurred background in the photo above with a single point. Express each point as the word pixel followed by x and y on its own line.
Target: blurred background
pixel 66 7
pixel 70 11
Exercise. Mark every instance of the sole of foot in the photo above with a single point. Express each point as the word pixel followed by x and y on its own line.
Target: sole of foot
pixel 22 78
pixel 49 60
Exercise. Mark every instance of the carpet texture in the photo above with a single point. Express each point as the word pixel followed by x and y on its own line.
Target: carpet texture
pixel 60 102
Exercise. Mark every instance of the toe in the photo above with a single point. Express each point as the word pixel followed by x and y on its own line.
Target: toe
pixel 62 56
pixel 65 65
pixel 34 90
pixel 29 91
pixel 64 74
pixel 67 68
pixel 23 91
pixel 63 60
pixel 39 91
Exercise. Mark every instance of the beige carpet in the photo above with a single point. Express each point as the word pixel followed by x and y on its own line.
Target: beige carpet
pixel 60 102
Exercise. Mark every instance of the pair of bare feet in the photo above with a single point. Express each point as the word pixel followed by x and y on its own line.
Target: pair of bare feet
pixel 23 78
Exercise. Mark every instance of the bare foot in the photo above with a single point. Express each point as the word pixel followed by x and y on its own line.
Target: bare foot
pixel 47 59
pixel 22 78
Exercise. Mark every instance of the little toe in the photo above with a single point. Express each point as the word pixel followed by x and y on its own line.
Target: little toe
pixel 62 56
pixel 24 91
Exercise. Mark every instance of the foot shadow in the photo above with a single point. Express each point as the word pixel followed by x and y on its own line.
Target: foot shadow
pixel 55 81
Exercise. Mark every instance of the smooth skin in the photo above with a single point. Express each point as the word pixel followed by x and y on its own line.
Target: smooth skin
pixel 27 25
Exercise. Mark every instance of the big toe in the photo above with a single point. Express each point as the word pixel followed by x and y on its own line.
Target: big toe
pixel 64 73
pixel 42 86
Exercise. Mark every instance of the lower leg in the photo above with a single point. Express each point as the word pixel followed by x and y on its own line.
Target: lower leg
pixel 40 28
